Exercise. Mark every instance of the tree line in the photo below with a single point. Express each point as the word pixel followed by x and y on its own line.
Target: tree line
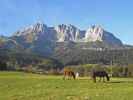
pixel 117 62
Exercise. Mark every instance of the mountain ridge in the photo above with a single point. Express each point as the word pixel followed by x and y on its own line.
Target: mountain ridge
pixel 42 39
pixel 67 32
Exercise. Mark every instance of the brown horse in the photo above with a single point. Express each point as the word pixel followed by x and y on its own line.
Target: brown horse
pixel 68 73
pixel 100 74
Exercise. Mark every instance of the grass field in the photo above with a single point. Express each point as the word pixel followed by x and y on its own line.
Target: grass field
pixel 24 86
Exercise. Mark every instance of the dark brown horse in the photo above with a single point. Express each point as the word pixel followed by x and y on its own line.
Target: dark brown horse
pixel 100 74
pixel 68 73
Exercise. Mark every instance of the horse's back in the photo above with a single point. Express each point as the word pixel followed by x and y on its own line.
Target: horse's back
pixel 100 73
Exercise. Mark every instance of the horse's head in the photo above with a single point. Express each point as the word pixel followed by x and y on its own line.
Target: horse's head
pixel 107 76
pixel 73 74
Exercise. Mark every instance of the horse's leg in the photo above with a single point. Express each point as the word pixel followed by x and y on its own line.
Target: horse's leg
pixel 69 75
pixel 94 79
pixel 103 79
pixel 99 79
pixel 107 77
pixel 64 76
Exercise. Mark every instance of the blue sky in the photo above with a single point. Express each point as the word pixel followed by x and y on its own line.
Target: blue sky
pixel 115 16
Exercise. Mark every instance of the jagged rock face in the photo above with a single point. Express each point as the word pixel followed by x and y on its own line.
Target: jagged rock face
pixel 33 32
pixel 37 37
pixel 36 28
pixel 60 33
pixel 67 33
pixel 97 33
pixel 43 39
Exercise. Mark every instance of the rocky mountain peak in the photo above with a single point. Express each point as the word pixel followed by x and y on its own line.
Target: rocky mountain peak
pixel 36 28
pixel 67 33
pixel 97 33
pixel 94 33
pixel 39 27
pixel 40 33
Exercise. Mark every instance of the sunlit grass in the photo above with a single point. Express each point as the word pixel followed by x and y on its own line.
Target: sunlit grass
pixel 25 86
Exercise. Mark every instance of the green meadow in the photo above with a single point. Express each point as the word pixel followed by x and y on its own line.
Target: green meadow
pixel 26 86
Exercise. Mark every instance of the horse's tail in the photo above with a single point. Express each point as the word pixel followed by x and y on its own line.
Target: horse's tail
pixel 107 77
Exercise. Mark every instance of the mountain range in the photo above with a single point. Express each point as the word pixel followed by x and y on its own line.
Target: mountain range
pixel 41 39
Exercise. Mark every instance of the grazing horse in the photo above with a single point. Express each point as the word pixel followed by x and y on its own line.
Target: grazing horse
pixel 100 74
pixel 68 73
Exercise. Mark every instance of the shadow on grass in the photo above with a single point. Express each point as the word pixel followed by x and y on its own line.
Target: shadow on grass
pixel 108 82
pixel 111 81
pixel 120 82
